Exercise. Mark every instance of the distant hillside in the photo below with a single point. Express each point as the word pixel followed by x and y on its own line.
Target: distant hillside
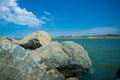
pixel 93 36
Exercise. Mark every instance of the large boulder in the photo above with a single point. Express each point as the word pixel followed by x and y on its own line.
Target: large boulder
pixel 68 57
pixel 17 64
pixel 50 61
pixel 53 54
pixel 35 40
pixel 79 59
pixel 77 53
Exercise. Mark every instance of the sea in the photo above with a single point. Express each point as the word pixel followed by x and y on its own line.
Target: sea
pixel 104 54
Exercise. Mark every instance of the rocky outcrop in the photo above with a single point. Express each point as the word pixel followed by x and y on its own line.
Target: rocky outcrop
pixel 35 40
pixel 79 59
pixel 17 64
pixel 53 54
pixel 46 59
pixel 77 54
pixel 68 57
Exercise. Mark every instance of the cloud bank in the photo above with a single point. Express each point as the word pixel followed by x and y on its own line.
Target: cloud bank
pixel 11 12
pixel 100 31
pixel 87 32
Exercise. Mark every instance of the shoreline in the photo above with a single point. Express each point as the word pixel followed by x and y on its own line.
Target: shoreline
pixel 87 38
pixel 106 36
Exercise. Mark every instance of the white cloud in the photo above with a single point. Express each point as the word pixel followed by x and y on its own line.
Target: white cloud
pixel 45 18
pixel 86 32
pixel 47 13
pixel 48 16
pixel 11 12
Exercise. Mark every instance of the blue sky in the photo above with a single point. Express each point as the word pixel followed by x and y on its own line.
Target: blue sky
pixel 59 17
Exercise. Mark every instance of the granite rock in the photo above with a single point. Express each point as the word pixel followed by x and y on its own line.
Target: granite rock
pixel 17 64
pixel 35 40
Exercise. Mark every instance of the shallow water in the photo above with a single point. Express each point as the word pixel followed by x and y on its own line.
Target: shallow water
pixel 105 56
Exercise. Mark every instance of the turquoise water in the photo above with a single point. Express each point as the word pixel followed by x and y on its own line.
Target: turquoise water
pixel 105 56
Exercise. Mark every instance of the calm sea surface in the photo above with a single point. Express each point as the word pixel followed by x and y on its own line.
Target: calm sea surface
pixel 105 57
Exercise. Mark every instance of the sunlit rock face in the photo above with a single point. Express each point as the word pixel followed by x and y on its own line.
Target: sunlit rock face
pixel 7 40
pixel 35 40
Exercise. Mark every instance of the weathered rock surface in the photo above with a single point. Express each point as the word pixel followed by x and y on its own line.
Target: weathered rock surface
pixel 35 40
pixel 46 59
pixel 2 38
pixel 69 57
pixel 32 44
pixel 17 64
pixel 6 40
pixel 53 53
pixel 77 53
